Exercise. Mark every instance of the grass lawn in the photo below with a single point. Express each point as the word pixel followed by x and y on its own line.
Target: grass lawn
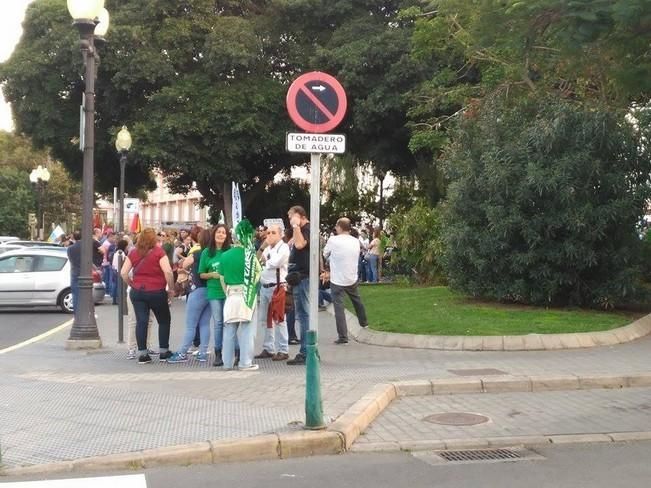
pixel 438 311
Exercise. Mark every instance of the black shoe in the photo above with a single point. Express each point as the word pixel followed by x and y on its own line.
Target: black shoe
pixel 218 358
pixel 341 341
pixel 144 359
pixel 299 360
pixel 294 341
pixel 164 356
pixel 364 326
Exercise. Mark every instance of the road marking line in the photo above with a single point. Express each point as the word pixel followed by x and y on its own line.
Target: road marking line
pixel 36 338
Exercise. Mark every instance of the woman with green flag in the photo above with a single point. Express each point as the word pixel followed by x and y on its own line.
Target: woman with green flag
pixel 240 273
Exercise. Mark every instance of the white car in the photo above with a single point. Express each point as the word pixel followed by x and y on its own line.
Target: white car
pixel 4 239
pixel 40 277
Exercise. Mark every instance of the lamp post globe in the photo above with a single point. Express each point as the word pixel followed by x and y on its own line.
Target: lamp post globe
pixel 123 140
pixel 85 10
pixel 102 27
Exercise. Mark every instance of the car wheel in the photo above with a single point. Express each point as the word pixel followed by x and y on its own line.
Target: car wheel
pixel 65 301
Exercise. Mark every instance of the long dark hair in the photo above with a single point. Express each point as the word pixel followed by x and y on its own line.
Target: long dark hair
pixel 227 243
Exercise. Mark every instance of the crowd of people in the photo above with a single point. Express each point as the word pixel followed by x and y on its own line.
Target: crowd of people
pixel 226 301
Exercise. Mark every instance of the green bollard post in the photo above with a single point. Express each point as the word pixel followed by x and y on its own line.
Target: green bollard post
pixel 313 402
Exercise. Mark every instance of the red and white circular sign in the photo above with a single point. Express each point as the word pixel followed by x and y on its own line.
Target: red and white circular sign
pixel 316 102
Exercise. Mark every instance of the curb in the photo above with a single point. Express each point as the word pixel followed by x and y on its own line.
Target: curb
pixel 341 434
pixel 529 342
pixel 502 442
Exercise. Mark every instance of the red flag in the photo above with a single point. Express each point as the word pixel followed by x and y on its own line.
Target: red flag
pixel 136 226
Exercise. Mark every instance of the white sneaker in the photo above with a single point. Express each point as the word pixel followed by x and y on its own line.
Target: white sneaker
pixel 131 354
pixel 253 367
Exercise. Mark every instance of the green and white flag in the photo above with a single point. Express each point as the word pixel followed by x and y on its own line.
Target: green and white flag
pixel 222 219
pixel 252 268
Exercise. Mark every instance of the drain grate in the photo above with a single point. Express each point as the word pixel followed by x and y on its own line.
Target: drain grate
pixel 476 455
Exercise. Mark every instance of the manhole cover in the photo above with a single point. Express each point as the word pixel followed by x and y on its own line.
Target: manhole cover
pixel 457 418
pixel 477 372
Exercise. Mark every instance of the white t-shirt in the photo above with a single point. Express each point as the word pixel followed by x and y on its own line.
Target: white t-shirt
pixel 343 252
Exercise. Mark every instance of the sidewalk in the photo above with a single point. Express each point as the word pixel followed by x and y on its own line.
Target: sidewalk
pixel 60 405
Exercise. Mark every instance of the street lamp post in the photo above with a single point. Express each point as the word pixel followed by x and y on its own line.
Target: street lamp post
pixel 122 144
pixel 39 178
pixel 91 19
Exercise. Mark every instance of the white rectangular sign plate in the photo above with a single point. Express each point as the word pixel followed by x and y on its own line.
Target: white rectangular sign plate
pixel 316 143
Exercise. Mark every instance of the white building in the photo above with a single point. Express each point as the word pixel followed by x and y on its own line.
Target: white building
pixel 165 209
pixel 161 209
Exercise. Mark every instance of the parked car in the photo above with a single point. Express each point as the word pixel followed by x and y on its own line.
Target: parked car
pixel 10 247
pixel 40 277
pixel 4 239
pixel 17 242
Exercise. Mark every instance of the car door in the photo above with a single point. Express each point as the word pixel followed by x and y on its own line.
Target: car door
pixel 50 278
pixel 16 283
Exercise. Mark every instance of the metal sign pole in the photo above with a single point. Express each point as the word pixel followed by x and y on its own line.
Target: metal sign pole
pixel 313 401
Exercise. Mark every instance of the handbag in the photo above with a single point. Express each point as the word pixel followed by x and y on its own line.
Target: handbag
pixel 235 308
pixel 183 283
pixel 276 311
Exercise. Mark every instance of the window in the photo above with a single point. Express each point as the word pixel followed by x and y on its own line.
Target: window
pixel 50 263
pixel 16 264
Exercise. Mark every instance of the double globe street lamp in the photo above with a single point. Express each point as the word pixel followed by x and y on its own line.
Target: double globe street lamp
pixel 92 21
pixel 39 178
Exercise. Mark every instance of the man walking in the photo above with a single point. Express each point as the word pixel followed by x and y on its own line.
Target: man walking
pixel 274 258
pixel 299 272
pixel 343 252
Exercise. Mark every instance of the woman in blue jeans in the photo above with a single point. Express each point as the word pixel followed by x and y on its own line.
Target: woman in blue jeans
pixel 197 308
pixel 209 270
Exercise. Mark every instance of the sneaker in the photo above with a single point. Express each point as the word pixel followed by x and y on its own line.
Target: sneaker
pixel 253 367
pixel 280 356
pixel 151 352
pixel 264 355
pixel 195 353
pixel 299 360
pixel 322 308
pixel 164 356
pixel 202 357
pixel 294 341
pixel 365 326
pixel 144 359
pixel 341 341
pixel 177 357
pixel 131 354
pixel 192 349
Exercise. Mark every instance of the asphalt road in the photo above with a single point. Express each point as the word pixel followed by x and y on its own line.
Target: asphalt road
pixel 19 325
pixel 589 466
pixel 593 466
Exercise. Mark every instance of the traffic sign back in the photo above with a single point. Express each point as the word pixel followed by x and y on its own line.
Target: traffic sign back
pixel 316 102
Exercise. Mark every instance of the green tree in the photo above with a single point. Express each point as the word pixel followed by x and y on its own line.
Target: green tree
pixel 15 210
pixel 543 203
pixel 417 233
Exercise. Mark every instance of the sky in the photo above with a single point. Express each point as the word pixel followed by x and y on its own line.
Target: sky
pixel 12 13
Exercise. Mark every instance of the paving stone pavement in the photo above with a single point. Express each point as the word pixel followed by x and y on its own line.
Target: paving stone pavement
pixel 62 405
pixel 515 414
